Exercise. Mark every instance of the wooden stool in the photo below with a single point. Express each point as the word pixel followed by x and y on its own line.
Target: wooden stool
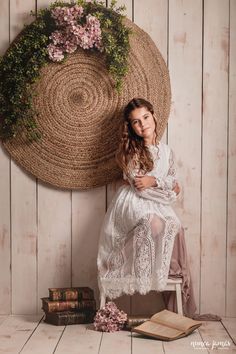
pixel 172 285
pixel 175 285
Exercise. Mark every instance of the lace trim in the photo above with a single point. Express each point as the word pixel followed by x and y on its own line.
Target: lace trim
pixel 143 249
pixel 171 230
pixel 113 288
pixel 169 182
pixel 146 276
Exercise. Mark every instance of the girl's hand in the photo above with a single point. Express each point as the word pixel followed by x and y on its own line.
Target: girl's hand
pixel 142 182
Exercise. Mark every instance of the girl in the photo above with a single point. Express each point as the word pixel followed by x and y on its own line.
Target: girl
pixel 140 226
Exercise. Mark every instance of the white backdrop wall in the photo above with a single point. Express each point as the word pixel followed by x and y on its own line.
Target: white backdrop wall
pixel 47 238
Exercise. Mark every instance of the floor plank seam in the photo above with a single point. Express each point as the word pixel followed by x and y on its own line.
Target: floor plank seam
pixel 100 344
pixel 31 334
pixel 203 340
pixel 163 347
pixel 233 340
pixel 54 351
pixel 131 341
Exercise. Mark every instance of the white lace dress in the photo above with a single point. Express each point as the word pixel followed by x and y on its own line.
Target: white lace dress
pixel 138 232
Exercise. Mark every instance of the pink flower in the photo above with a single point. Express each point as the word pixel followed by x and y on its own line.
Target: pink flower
pixel 78 10
pixel 69 47
pixel 66 15
pixel 75 33
pixel 92 20
pixel 57 37
pixel 109 318
pixel 71 34
pixel 55 53
pixel 86 41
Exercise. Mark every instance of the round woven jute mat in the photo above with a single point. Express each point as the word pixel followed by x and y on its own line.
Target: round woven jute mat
pixel 80 112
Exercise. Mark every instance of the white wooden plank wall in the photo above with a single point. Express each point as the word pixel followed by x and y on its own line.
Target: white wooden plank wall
pixel 23 206
pixel 214 155
pixel 5 191
pixel 231 191
pixel 184 129
pixel 49 237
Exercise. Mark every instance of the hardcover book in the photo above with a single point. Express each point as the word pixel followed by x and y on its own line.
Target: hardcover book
pixel 75 293
pixel 69 317
pixel 57 306
pixel 167 325
pixel 133 321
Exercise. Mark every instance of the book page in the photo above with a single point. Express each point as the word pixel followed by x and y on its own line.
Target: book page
pixel 175 320
pixel 156 329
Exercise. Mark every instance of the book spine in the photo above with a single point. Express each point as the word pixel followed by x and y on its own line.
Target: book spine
pixel 135 321
pixel 54 306
pixel 71 294
pixel 68 318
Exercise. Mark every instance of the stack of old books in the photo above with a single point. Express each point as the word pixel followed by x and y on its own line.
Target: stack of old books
pixel 66 306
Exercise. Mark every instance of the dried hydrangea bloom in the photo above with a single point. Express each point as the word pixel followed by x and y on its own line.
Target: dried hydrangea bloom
pixel 70 35
pixel 109 318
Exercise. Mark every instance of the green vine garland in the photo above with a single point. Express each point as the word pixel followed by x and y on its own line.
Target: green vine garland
pixel 20 66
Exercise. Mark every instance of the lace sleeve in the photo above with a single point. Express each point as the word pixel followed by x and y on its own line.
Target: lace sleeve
pixel 163 192
pixel 169 182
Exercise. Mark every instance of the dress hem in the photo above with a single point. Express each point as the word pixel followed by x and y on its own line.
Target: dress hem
pixel 114 288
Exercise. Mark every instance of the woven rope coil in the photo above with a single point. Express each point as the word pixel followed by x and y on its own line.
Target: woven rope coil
pixel 80 113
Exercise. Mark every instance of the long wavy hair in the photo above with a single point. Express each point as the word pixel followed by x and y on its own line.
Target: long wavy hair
pixel 132 152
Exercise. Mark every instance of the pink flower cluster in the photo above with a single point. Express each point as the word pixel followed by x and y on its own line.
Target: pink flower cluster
pixel 109 318
pixel 67 15
pixel 71 35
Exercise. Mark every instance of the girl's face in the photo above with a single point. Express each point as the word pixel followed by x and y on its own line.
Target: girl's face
pixel 143 123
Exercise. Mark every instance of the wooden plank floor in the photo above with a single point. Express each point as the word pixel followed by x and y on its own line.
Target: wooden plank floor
pixel 30 335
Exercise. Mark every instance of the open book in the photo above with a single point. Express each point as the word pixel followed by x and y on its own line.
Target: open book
pixel 167 325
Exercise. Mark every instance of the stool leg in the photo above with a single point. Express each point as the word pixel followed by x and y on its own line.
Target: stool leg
pixel 102 300
pixel 179 299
